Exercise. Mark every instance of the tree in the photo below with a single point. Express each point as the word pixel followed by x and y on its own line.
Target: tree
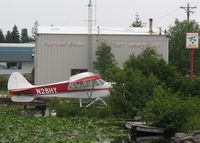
pixel 15 35
pixel 24 36
pixel 134 85
pixel 104 59
pixel 178 54
pixel 8 37
pixel 2 39
pixel 137 22
pixel 34 30
pixel 149 62
pixel 130 92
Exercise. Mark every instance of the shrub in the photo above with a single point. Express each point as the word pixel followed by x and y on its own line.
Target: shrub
pixel 130 93
pixel 193 119
pixel 93 111
pixel 64 108
pixel 166 110
pixel 68 108
pixel 3 82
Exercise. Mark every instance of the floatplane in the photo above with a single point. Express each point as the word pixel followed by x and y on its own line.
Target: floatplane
pixel 85 85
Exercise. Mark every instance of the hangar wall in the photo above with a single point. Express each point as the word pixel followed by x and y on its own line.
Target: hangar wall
pixel 59 50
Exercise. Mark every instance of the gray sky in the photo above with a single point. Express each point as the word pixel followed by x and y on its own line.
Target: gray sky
pixel 111 13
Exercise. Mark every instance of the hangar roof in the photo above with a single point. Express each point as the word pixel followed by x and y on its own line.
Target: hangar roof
pixel 96 30
pixel 16 52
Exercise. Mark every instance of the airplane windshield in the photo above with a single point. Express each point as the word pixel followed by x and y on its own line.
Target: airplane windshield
pixel 84 85
pixel 102 82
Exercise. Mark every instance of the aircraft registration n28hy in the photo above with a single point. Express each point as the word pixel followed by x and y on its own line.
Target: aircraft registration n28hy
pixel 83 85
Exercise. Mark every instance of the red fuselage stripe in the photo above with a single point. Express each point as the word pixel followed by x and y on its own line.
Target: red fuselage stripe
pixel 51 89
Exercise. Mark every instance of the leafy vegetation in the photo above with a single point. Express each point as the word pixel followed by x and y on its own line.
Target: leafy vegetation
pixel 178 54
pixel 15 126
pixel 105 59
pixel 172 111
pixel 166 109
pixel 68 108
pixel 130 93
pixel 150 87
pixel 3 82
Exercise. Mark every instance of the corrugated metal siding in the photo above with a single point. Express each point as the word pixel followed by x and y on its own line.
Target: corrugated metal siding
pixel 56 55
pixel 125 45
pixel 54 63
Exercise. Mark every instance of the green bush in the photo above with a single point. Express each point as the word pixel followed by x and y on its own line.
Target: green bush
pixel 66 108
pixel 166 110
pixel 193 119
pixel 192 124
pixel 96 112
pixel 3 82
pixel 130 93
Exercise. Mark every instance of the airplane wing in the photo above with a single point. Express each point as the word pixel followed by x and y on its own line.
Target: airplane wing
pixel 87 78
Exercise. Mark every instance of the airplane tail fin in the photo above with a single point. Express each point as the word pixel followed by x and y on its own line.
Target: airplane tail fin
pixel 18 81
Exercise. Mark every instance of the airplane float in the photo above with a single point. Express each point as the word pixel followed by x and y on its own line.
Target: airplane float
pixel 85 85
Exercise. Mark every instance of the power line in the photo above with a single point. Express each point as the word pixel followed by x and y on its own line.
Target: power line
pixel 169 13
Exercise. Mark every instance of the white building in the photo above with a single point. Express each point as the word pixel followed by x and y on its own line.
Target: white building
pixel 62 51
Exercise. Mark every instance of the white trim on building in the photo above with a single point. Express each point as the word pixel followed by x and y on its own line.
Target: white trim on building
pixel 96 30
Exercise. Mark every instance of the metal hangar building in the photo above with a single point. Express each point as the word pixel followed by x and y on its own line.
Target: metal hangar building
pixel 63 51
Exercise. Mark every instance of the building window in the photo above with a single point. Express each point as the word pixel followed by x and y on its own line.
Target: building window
pixel 3 65
pixel 76 71
pixel 10 65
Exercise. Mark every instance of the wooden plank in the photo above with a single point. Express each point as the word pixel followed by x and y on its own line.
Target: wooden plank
pixel 141 128
pixel 149 129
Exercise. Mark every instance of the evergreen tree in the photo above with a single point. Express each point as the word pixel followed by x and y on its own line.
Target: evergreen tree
pixel 137 22
pixel 24 36
pixel 8 38
pixel 34 30
pixel 15 35
pixel 2 39
pixel 105 59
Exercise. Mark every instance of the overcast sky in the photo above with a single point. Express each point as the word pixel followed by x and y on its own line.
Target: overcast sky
pixel 111 13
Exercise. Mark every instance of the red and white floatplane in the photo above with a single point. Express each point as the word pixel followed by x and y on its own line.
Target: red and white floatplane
pixel 85 85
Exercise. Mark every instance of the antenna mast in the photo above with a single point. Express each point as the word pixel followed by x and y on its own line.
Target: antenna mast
pixel 95 20
pixel 90 34
pixel 90 18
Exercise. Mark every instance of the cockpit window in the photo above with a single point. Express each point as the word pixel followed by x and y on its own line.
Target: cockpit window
pixel 97 83
pixel 83 85
pixel 102 82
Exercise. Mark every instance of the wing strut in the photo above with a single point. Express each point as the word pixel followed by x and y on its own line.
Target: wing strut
pixel 99 98
pixel 93 84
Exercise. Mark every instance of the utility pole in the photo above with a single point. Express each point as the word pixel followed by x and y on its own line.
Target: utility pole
pixel 188 10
